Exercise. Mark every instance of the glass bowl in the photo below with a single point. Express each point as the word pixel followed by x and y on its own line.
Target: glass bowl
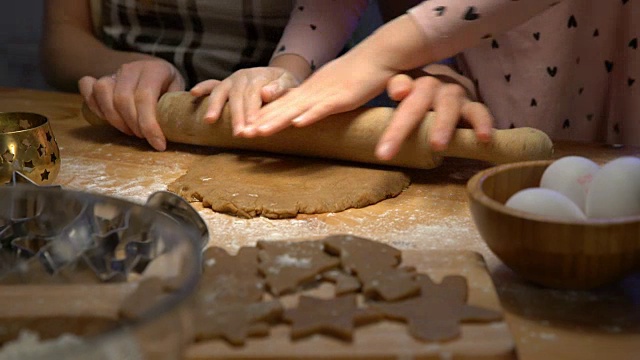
pixel 87 276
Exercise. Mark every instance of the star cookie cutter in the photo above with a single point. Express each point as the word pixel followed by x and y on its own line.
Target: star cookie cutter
pixel 111 239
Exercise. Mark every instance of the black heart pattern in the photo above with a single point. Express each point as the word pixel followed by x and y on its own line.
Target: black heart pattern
pixel 494 44
pixel 508 77
pixel 552 71
pixel 633 43
pixel 313 27
pixel 566 124
pixel 596 33
pixel 536 36
pixel 534 102
pixel 608 65
pixel 572 22
pixel 471 14
pixel 631 81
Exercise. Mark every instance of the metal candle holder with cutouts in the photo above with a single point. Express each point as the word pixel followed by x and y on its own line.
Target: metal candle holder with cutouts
pixel 28 145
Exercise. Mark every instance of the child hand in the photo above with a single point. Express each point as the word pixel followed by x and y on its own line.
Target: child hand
pixel 341 85
pixel 417 97
pixel 128 98
pixel 246 90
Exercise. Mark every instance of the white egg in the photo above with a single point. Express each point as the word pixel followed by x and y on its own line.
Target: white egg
pixel 615 189
pixel 546 202
pixel 571 176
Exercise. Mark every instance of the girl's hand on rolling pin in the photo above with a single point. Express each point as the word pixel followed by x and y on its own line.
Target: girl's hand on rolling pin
pixel 128 98
pixel 419 96
pixel 341 85
pixel 246 90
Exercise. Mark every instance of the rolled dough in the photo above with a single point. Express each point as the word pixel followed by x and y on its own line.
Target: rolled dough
pixel 282 187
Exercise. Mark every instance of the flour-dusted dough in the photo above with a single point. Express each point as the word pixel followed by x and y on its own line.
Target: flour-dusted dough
pixel 282 187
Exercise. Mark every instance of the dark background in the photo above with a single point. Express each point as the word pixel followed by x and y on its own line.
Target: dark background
pixel 20 32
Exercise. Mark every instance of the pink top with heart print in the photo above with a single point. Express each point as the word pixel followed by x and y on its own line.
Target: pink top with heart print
pixel 570 68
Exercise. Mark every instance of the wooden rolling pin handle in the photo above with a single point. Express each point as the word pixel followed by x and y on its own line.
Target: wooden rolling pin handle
pixel 506 146
pixel 348 136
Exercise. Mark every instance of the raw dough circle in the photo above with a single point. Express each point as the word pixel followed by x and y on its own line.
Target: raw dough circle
pixel 282 187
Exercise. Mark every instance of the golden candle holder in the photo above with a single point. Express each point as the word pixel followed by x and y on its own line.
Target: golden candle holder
pixel 27 145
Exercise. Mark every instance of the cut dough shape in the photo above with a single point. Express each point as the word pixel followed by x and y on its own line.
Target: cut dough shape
pixel 230 279
pixel 286 266
pixel 375 264
pixel 282 187
pixel 436 314
pixel 335 317
pixel 234 322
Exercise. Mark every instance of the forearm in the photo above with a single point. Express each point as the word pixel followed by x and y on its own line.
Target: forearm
pixel 295 64
pixel 69 50
pixel 69 55
pixel 397 46
pixel 317 31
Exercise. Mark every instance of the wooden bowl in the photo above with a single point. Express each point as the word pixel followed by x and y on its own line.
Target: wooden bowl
pixel 565 255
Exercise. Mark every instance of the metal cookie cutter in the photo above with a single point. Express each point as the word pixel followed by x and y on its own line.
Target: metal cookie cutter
pixel 112 238
pixel 127 243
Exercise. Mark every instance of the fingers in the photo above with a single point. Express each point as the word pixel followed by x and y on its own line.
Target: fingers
pixel 252 103
pixel 409 113
pixel 149 88
pixel 479 116
pixel 278 87
pixel 85 85
pixel 399 86
pixel 273 121
pixel 417 97
pixel 291 109
pixel 447 105
pixel 103 94
pixel 204 88
pixel 271 91
pixel 123 96
pixel 217 99
pixel 177 84
pixel 452 104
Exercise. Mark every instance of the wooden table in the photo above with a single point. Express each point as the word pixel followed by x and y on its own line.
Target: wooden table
pixel 432 214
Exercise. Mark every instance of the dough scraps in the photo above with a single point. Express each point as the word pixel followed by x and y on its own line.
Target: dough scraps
pixel 281 187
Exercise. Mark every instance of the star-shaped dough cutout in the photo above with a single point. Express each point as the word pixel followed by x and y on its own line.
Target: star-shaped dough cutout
pixel 228 278
pixel 336 317
pixel 435 314
pixel 234 322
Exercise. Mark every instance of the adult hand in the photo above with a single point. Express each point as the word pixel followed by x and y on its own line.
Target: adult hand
pixel 245 90
pixel 128 98
pixel 417 97
pixel 341 85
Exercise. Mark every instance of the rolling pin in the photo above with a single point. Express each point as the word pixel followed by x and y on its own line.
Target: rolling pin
pixel 350 136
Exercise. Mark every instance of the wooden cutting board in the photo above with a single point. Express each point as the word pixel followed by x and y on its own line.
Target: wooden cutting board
pixel 389 340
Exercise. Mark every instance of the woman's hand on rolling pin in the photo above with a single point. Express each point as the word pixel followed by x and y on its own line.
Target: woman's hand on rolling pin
pixel 245 90
pixel 341 85
pixel 128 98
pixel 417 97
